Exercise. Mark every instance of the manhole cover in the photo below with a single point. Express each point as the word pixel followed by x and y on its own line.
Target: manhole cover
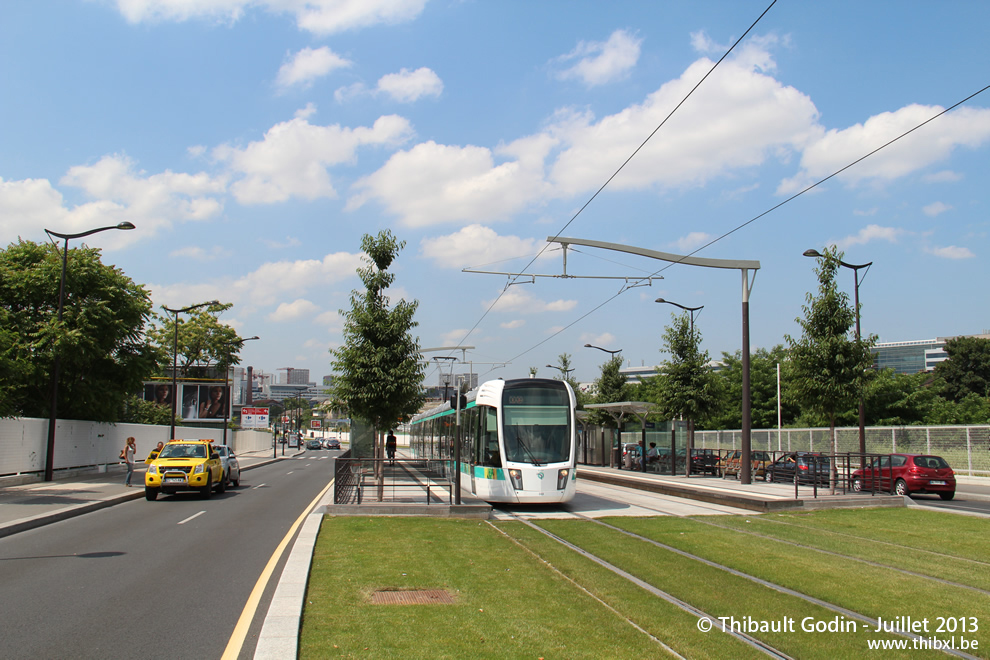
pixel 421 597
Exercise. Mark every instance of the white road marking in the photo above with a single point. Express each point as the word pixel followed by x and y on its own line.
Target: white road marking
pixel 289 472
pixel 197 515
pixel 258 486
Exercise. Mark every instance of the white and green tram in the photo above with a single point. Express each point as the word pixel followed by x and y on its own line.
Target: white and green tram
pixel 517 440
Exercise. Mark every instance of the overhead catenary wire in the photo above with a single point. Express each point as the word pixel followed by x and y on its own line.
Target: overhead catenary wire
pixel 620 168
pixel 761 215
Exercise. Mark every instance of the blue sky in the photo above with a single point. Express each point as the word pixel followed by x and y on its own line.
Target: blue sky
pixel 253 143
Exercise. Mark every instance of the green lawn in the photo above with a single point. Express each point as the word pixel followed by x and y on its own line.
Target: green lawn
pixel 519 594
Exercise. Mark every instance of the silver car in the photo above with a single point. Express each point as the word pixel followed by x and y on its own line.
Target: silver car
pixel 231 468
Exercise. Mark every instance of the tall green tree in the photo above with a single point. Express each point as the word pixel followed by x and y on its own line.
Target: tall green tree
pixel 763 390
pixel 610 387
pixel 829 367
pixel 378 369
pixel 204 344
pixel 685 385
pixel 967 371
pixel 100 340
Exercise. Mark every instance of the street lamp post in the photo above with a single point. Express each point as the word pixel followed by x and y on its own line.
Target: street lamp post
pixel 687 453
pixel 563 371
pixel 56 364
pixel 226 372
pixel 690 310
pixel 862 410
pixel 175 355
pixel 612 353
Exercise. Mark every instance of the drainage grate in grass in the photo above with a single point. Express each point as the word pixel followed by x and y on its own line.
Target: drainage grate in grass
pixel 421 597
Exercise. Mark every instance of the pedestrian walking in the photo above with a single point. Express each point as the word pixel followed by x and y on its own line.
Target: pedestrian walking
pixel 390 447
pixel 128 455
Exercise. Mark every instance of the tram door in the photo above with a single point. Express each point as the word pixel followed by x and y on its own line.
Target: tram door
pixel 471 435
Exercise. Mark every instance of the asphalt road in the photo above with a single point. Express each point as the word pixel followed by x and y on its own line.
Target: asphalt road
pixel 164 579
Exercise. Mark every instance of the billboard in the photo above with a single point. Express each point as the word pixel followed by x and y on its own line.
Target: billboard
pixel 197 401
pixel 158 392
pixel 254 418
pixel 314 423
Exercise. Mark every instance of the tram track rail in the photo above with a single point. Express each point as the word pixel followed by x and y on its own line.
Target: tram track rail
pixel 762 646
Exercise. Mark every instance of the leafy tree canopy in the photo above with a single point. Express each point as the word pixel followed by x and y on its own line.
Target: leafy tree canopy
pixel 100 341
pixel 967 371
pixel 610 387
pixel 685 385
pixel 378 368
pixel 203 343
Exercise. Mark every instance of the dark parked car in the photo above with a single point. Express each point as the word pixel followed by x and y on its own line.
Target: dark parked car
pixel 333 443
pixel 909 473
pixel 314 444
pixel 704 461
pixel 810 468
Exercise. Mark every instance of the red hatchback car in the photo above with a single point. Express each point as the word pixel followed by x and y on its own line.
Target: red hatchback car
pixel 910 473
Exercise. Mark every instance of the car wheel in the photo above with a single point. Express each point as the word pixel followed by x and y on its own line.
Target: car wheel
pixel 237 482
pixel 768 476
pixel 206 492
pixel 150 494
pixel 900 487
pixel 857 485
pixel 222 484
pixel 947 496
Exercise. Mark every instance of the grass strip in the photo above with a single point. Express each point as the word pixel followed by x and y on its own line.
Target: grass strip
pixel 508 604
pixel 869 590
pixel 723 594
pixel 667 622
pixel 961 536
pixel 942 564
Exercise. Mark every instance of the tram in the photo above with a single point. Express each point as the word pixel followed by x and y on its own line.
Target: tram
pixel 517 440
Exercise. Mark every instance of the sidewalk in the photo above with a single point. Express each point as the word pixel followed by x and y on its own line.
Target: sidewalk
pixel 31 505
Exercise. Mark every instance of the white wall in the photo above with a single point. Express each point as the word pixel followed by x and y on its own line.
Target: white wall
pixel 24 441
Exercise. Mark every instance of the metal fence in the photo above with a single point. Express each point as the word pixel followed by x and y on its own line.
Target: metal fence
pixel 965 448
pixel 366 480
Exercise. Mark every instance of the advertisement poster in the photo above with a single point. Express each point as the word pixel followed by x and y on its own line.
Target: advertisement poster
pixel 314 423
pixel 158 392
pixel 254 418
pixel 205 401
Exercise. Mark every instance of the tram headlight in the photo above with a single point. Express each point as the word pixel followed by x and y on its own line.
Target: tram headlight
pixel 515 476
pixel 562 478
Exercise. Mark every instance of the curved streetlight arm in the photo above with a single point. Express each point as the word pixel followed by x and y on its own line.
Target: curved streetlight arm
pixel 612 353
pixel 122 225
pixel 686 309
pixel 819 255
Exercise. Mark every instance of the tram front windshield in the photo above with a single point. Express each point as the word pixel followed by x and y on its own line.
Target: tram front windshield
pixel 536 424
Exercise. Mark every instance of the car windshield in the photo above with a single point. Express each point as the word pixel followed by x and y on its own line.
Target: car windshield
pixel 933 462
pixel 183 451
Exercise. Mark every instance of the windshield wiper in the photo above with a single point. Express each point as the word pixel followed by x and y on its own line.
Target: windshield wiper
pixel 532 458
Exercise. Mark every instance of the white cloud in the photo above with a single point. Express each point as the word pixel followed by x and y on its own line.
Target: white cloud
pixel 951 252
pixel 434 183
pixel 308 65
pixel 331 319
pixel 604 340
pixel 512 325
pixel 694 240
pixel 201 254
pixel 516 299
pixel 935 209
pixel 934 142
pixel 316 16
pixel 293 157
pixel 699 142
pixel 476 245
pixel 408 86
pixel 293 311
pixel 868 234
pixel 945 176
pixel 119 193
pixel 602 62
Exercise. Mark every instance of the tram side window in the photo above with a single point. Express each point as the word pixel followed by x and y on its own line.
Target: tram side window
pixel 469 423
pixel 491 456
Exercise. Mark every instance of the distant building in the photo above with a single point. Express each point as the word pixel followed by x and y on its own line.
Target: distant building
pixel 635 375
pixel 910 357
pixel 293 376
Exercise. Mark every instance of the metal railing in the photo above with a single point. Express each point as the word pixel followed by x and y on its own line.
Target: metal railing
pixel 367 480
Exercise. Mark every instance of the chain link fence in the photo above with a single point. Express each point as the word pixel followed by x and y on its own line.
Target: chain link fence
pixel 965 448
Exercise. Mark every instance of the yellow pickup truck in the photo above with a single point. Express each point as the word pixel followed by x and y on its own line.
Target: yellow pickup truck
pixel 185 465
